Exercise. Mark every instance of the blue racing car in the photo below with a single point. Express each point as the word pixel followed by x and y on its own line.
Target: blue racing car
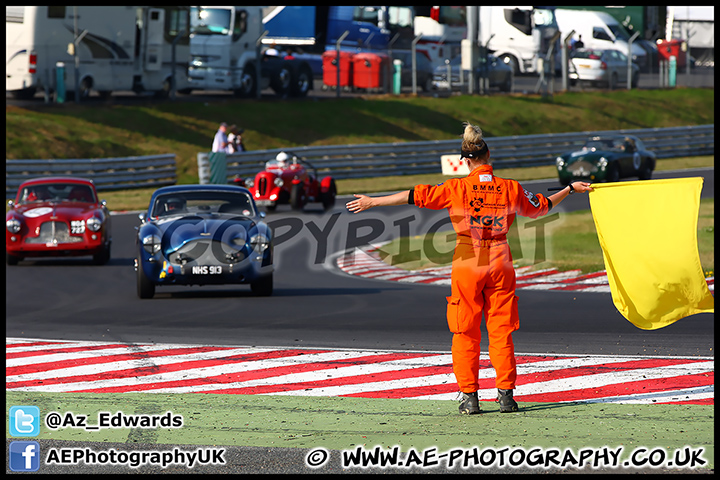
pixel 203 235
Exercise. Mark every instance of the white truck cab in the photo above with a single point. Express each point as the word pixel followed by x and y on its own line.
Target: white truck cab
pixel 599 30
pixel 226 55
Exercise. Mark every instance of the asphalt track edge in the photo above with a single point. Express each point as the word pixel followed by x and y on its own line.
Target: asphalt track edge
pixel 297 426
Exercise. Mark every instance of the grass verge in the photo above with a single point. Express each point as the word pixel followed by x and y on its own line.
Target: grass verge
pixel 569 243
pixel 138 199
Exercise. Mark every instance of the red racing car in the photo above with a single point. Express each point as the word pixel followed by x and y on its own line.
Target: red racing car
pixel 57 216
pixel 289 179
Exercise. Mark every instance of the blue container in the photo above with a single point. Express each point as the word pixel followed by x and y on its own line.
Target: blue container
pixel 60 82
pixel 397 77
pixel 672 74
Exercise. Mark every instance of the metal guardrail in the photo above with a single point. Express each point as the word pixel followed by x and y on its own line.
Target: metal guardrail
pixel 389 159
pixel 356 161
pixel 107 173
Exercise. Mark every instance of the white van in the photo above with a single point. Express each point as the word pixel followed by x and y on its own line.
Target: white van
pixel 599 30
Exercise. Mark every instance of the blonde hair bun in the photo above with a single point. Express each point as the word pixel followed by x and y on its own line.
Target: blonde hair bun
pixel 472 133
pixel 472 137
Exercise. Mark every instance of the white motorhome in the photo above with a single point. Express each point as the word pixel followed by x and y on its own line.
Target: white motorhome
pixel 519 36
pixel 599 30
pixel 119 48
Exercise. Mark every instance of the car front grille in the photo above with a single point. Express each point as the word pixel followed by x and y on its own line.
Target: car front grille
pixel 262 186
pixel 54 232
pixel 206 252
pixel 582 167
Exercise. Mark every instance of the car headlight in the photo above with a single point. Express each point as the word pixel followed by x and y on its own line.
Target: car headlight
pixel 93 224
pixel 259 242
pixel 602 163
pixel 559 162
pixel 13 225
pixel 278 182
pixel 249 182
pixel 151 244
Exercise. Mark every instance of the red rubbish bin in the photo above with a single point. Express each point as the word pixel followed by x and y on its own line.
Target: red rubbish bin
pixel 369 69
pixel 674 47
pixel 330 77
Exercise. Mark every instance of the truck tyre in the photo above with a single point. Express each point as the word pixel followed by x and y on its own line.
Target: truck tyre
pixel 85 88
pixel 248 82
pixel 302 83
pixel 282 79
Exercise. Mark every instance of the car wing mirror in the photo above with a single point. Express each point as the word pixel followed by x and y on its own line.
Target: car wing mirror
pixel 141 216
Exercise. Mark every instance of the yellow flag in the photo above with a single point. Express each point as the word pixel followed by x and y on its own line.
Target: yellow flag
pixel 648 234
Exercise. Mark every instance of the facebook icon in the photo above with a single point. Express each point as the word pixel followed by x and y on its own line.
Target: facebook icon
pixel 24 456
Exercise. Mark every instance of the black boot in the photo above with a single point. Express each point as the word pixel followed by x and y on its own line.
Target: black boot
pixel 469 404
pixel 506 401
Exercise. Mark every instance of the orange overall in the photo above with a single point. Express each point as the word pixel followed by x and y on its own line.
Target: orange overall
pixel 482 207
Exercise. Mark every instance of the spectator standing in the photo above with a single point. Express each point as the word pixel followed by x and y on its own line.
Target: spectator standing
pixel 236 140
pixel 220 142
pixel 578 43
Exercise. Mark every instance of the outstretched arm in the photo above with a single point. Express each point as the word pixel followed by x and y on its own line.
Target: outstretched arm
pixel 363 202
pixel 580 187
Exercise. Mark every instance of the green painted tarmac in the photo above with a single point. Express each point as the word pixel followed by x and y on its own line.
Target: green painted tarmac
pixel 343 423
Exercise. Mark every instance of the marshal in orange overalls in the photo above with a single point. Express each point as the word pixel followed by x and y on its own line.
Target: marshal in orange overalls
pixel 482 207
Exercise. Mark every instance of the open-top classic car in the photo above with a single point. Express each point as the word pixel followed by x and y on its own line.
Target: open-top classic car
pixel 290 179
pixel 607 158
pixel 203 235
pixel 57 217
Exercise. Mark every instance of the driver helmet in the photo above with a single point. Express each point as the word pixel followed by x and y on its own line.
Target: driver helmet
pixel 174 204
pixel 282 158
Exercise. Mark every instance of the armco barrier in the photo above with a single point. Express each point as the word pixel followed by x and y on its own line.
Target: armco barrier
pixel 108 173
pixel 388 159
pixel 353 161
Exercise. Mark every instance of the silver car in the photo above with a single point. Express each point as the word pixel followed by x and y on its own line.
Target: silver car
pixel 498 72
pixel 602 67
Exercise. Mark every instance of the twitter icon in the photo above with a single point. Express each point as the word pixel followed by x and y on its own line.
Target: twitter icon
pixel 24 421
